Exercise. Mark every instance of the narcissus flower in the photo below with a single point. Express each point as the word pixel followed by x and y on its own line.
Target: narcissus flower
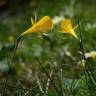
pixel 43 25
pixel 66 26
pixel 91 54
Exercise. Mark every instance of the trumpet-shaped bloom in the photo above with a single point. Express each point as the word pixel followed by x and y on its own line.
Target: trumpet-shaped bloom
pixel 66 26
pixel 91 54
pixel 43 25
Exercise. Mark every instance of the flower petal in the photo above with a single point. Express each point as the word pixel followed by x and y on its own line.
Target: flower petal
pixel 43 25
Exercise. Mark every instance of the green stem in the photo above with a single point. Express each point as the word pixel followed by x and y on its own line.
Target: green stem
pixel 48 76
pixel 10 63
pixel 61 81
pixel 83 53
pixel 60 78
pixel 87 67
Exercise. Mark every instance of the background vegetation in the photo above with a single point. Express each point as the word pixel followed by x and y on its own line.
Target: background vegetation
pixel 38 59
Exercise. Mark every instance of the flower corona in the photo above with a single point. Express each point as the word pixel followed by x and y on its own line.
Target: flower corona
pixel 66 26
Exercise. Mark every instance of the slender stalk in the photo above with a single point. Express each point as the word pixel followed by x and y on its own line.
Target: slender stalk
pixel 39 84
pixel 48 83
pixel 83 54
pixel 60 77
pixel 83 57
pixel 48 76
pixel 10 64
pixel 87 67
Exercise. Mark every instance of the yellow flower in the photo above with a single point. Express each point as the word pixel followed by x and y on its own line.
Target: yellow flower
pixel 91 54
pixel 66 26
pixel 43 25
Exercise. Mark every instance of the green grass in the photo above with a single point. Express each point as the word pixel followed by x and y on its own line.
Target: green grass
pixel 54 55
